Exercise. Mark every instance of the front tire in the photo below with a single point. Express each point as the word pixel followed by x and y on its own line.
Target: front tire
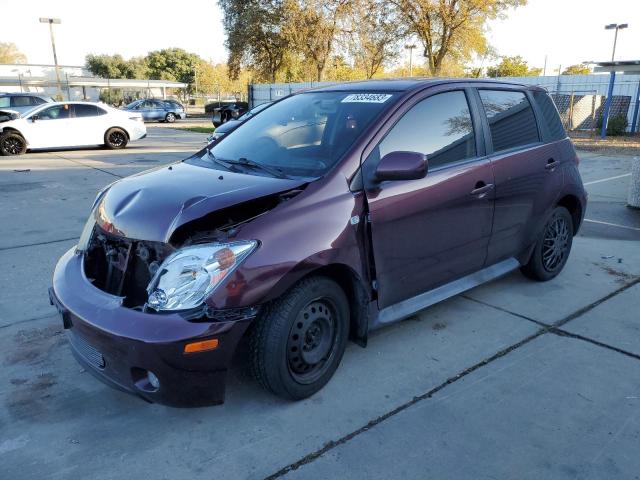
pixel 170 117
pixel 12 143
pixel 299 339
pixel 116 138
pixel 552 249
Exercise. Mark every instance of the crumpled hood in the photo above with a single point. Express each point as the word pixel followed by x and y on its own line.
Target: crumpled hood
pixel 152 205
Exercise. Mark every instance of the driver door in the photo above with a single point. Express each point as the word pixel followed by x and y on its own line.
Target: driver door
pixel 50 128
pixel 431 231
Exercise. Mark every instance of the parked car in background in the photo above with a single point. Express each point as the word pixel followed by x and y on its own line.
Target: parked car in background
pixel 230 125
pixel 224 112
pixel 70 124
pixel 158 110
pixel 22 102
pixel 333 212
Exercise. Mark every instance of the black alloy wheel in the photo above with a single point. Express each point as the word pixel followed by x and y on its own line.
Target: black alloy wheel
pixel 12 143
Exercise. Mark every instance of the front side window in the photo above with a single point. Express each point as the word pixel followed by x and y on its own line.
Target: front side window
pixel 511 119
pixel 306 134
pixel 439 126
pixel 37 101
pixel 58 112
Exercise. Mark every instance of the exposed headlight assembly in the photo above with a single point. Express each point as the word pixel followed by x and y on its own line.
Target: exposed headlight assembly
pixel 187 277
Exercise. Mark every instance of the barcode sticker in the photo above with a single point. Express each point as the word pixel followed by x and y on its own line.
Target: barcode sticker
pixel 366 98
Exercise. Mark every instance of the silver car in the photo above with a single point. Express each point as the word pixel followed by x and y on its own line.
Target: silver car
pixel 22 102
pixel 158 110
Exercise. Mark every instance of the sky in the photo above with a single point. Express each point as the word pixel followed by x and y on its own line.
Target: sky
pixel 565 31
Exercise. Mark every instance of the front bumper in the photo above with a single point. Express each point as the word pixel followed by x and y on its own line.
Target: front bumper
pixel 119 345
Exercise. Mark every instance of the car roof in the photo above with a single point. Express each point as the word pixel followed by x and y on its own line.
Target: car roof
pixel 23 94
pixel 407 84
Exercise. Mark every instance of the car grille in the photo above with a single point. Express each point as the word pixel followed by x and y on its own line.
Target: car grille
pixel 86 351
pixel 122 266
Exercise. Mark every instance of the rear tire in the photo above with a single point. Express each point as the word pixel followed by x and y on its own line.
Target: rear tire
pixel 552 249
pixel 170 117
pixel 298 340
pixel 12 143
pixel 115 138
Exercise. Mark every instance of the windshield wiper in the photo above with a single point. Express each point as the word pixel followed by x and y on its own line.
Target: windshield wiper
pixel 225 164
pixel 275 171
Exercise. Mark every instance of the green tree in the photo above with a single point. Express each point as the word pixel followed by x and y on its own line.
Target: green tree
pixel 453 29
pixel 114 66
pixel 513 67
pixel 173 64
pixel 256 36
pixel 9 53
pixel 578 69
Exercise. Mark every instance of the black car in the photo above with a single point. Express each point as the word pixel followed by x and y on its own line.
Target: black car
pixel 224 112
pixel 230 125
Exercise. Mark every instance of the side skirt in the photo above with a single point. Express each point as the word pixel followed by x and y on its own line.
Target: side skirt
pixel 408 307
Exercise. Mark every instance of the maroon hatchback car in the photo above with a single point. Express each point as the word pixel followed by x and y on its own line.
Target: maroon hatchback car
pixel 330 213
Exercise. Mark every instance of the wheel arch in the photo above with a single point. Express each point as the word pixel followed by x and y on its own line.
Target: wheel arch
pixel 573 205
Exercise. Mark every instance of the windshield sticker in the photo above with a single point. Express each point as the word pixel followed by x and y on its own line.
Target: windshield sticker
pixel 366 98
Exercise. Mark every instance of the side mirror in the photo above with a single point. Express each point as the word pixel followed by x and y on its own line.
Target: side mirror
pixel 34 118
pixel 402 166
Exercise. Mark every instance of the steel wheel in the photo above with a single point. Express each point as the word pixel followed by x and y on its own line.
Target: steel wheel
pixel 312 341
pixel 555 244
pixel 13 145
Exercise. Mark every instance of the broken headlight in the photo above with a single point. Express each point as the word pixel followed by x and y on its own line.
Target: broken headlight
pixel 187 277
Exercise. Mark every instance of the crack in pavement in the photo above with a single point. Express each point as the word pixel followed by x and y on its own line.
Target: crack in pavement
pixel 28 320
pixel 48 242
pixel 546 328
pixel 77 162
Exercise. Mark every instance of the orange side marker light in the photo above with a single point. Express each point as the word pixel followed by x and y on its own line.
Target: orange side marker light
pixel 201 346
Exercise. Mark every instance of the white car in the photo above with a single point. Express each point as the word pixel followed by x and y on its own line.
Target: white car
pixel 68 124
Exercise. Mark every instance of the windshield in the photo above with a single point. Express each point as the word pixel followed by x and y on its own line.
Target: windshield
pixel 133 104
pixel 303 135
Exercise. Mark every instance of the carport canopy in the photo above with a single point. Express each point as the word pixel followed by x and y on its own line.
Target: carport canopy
pixel 613 67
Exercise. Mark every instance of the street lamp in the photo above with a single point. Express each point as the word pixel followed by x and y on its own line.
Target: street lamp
pixel 51 22
pixel 617 27
pixel 410 48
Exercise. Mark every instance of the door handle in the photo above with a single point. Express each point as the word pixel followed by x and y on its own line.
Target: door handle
pixel 482 189
pixel 551 164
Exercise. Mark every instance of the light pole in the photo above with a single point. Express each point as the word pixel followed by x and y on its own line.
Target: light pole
pixel 617 27
pixel 51 22
pixel 410 47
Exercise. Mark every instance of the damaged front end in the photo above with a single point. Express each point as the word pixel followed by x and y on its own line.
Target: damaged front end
pixel 133 294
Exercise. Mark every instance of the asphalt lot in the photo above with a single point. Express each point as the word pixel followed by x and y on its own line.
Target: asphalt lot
pixel 513 379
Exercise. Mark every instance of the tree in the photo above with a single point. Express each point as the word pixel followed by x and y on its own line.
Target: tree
pixel 256 35
pixel 313 25
pixel 173 64
pixel 9 53
pixel 373 35
pixel 578 69
pixel 450 28
pixel 513 67
pixel 114 66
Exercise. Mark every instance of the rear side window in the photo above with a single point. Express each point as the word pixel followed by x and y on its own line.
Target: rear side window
pixel 21 101
pixel 85 111
pixel 4 102
pixel 550 115
pixel 511 119
pixel 439 126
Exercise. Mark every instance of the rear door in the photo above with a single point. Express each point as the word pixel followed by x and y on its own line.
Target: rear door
pixel 526 172
pixel 431 231
pixel 86 123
